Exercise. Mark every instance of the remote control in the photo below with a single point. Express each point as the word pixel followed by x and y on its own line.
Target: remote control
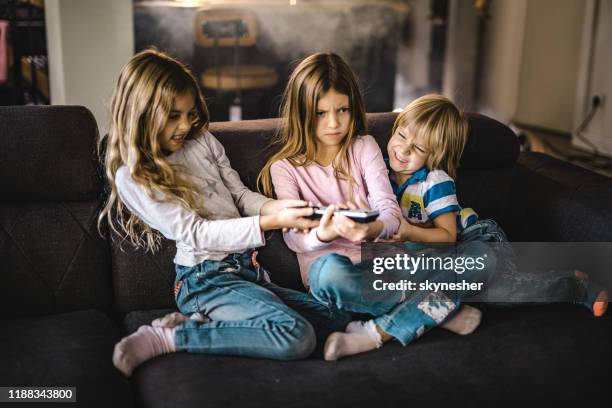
pixel 358 215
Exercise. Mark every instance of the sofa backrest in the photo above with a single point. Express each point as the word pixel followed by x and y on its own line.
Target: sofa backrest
pixel 52 257
pixel 144 281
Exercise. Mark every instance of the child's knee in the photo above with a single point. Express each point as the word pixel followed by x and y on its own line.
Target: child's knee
pixel 300 341
pixel 485 257
pixel 329 272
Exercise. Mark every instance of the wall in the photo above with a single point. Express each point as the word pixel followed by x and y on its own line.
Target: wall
pixel 594 77
pixel 503 50
pixel 460 60
pixel 88 42
pixel 549 69
pixel 531 62
pixel 412 73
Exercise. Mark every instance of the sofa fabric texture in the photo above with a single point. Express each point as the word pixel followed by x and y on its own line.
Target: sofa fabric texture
pixel 37 165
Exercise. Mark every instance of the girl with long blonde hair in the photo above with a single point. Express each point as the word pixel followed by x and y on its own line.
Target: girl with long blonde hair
pixel 169 176
pixel 325 156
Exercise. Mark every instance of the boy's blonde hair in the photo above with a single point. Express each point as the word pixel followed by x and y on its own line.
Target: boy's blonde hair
pixel 442 125
pixel 141 103
pixel 311 79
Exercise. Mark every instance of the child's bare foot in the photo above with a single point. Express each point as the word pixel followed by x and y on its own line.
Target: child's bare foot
pixel 597 297
pixel 141 346
pixel 601 304
pixel 464 322
pixel 358 338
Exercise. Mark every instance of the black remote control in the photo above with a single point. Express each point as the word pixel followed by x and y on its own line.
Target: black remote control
pixel 357 215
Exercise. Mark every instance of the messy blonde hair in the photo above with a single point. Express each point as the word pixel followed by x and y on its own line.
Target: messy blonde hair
pixel 312 78
pixel 443 126
pixel 141 103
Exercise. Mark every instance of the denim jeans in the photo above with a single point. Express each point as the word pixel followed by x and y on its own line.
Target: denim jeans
pixel 337 283
pixel 511 287
pixel 249 315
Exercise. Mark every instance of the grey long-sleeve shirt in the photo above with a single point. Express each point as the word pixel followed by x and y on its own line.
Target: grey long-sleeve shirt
pixel 232 224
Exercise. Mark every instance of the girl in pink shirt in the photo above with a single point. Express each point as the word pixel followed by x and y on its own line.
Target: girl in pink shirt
pixel 326 157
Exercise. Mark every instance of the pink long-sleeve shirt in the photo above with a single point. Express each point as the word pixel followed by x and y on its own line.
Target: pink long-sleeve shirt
pixel 318 184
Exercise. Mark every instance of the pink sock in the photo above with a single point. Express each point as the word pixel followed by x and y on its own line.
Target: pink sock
pixel 141 346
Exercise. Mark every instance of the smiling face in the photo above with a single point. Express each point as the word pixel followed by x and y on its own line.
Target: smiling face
pixel 333 118
pixel 180 120
pixel 407 152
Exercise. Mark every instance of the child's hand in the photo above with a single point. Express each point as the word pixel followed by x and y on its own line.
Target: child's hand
pixel 355 231
pixel 404 231
pixel 275 206
pixel 327 231
pixel 288 217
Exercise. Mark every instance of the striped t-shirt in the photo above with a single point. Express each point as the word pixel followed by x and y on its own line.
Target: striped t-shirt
pixel 428 194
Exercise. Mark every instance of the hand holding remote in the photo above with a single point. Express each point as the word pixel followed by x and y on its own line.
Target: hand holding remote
pixel 356 231
pixel 286 214
pixel 326 232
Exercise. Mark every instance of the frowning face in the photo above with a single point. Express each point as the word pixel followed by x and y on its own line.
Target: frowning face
pixel 333 118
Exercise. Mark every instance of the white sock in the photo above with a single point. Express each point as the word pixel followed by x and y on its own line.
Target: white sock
pixel 146 343
pixel 176 318
pixel 358 338
pixel 464 321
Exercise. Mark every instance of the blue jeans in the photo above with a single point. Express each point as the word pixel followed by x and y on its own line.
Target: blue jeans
pixel 250 316
pixel 338 284
pixel 511 287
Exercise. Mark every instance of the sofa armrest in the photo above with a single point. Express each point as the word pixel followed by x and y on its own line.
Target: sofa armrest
pixel 552 200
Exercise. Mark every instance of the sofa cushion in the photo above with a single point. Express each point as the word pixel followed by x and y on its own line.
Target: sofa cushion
pixel 71 350
pixel 53 258
pixel 143 280
pixel 490 144
pixel 48 154
pixel 571 204
pixel 488 191
pixel 552 354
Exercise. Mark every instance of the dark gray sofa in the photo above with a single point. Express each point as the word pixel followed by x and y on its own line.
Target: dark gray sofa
pixel 67 294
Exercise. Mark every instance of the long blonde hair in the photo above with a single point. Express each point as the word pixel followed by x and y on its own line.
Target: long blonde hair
pixel 141 103
pixel 443 126
pixel 296 138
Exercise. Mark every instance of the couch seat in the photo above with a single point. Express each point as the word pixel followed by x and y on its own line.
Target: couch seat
pixel 70 349
pixel 554 354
